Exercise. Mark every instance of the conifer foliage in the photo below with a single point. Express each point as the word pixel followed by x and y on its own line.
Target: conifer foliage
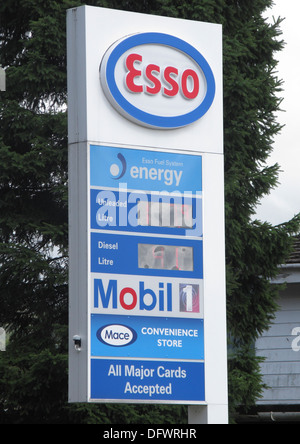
pixel 34 206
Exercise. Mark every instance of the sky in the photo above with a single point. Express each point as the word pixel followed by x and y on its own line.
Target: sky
pixel 284 202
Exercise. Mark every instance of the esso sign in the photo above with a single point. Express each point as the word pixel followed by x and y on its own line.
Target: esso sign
pixel 157 80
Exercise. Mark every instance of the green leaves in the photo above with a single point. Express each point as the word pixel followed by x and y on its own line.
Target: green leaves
pixel 33 208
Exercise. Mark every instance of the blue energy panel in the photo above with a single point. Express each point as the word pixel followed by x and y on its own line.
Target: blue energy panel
pixel 145 170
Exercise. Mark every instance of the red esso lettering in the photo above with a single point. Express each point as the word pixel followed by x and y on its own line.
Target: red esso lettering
pixel 184 80
pixel 133 73
pixel 188 83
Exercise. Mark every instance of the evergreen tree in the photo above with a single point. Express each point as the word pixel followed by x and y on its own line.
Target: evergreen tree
pixel 33 202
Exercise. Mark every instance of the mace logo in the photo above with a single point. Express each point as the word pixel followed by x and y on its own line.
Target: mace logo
pixel 118 171
pixel 116 335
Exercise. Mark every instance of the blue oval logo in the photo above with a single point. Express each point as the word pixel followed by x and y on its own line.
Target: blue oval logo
pixel 116 335
pixel 157 80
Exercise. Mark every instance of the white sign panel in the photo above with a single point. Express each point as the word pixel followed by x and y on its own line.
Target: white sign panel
pixel 147 261
pixel 164 73
pixel 157 95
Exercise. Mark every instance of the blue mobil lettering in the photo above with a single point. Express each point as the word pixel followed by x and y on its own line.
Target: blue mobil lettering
pixel 128 298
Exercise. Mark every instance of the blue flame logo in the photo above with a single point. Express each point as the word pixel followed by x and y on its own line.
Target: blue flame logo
pixel 115 170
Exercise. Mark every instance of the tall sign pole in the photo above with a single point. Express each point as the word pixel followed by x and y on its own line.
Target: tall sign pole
pixel 146 221
pixel 2 79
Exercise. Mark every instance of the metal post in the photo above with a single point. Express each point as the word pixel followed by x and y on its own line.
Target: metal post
pixel 2 79
pixel 2 339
